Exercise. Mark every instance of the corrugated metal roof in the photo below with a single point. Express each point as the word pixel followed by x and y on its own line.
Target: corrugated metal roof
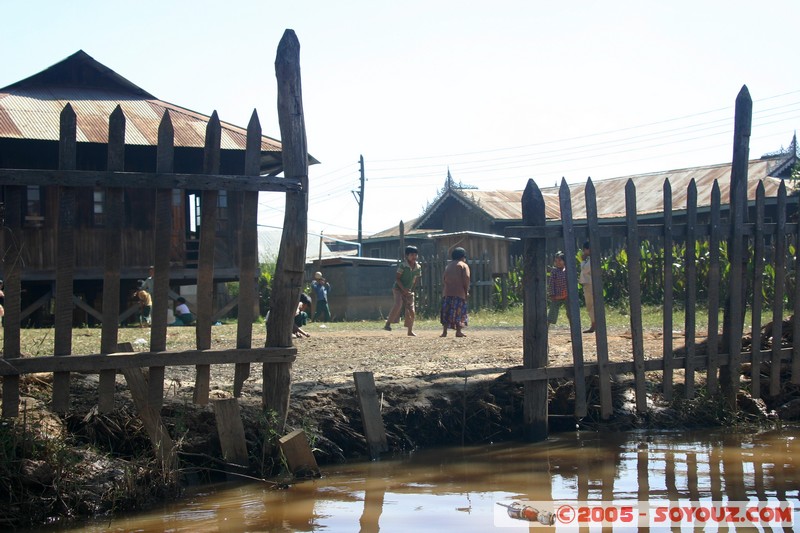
pixel 31 108
pixel 35 114
pixel 610 193
pixel 409 229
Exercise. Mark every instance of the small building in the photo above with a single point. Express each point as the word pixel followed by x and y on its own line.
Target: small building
pixel 361 287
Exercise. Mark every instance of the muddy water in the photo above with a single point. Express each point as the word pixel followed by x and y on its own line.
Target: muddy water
pixel 459 489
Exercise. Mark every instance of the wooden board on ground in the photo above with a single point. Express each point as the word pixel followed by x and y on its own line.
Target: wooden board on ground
pixel 371 413
pixel 298 454
pixel 231 434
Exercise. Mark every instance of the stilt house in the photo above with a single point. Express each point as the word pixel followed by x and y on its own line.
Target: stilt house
pixel 29 139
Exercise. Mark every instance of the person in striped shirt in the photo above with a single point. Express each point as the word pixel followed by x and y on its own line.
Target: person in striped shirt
pixel 557 287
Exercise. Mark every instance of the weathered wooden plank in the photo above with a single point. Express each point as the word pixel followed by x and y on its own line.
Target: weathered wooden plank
pixel 733 323
pixel 534 336
pixel 690 294
pixel 162 241
pixel 795 377
pixel 601 335
pixel 163 445
pixel 370 405
pixel 113 258
pixel 565 202
pixel 714 280
pixel 12 268
pixel 231 434
pixel 248 254
pixel 298 454
pixel 147 180
pixel 758 287
pixel 65 260
pixel 155 381
pixel 291 255
pixel 162 235
pixel 208 234
pixel 98 362
pixel 779 255
pixel 669 363
pixel 205 269
pixel 635 296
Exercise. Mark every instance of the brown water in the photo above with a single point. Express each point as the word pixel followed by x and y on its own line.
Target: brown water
pixel 458 489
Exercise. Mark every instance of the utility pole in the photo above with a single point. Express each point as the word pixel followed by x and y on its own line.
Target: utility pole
pixel 360 198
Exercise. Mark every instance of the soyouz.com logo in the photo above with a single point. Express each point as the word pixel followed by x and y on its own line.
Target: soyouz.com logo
pixel 644 514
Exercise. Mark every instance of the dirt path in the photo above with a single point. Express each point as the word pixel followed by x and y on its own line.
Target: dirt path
pixel 329 358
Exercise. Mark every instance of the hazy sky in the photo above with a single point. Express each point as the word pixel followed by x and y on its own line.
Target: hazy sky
pixel 498 92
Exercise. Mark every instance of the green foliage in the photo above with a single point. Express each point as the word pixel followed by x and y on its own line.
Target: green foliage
pixel 615 274
pixel 266 271
pixel 513 284
pixel 268 458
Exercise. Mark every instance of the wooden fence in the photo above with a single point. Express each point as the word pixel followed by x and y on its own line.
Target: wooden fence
pixel 110 361
pixel 723 354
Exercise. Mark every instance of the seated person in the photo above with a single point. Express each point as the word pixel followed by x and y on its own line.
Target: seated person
pixel 183 317
pixel 301 316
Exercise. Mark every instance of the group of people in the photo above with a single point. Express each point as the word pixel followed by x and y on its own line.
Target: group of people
pixel 455 293
pixel 557 286
pixel 143 295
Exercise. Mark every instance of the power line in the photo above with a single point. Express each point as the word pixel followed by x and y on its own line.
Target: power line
pixel 579 137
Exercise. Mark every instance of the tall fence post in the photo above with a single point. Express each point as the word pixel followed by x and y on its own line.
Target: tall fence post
pixel 733 324
pixel 714 276
pixel 65 262
pixel 668 355
pixel 113 259
pixel 779 255
pixel 248 253
pixel 290 267
pixel 534 314
pixel 690 294
pixel 635 291
pixel 601 334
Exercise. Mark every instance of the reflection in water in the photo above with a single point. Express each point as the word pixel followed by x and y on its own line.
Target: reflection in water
pixel 458 488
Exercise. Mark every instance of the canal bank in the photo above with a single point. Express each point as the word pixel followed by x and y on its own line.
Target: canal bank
pixel 434 392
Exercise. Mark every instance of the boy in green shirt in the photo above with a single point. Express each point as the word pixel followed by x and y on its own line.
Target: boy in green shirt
pixel 408 272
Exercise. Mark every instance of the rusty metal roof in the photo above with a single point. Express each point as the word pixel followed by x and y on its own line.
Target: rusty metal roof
pixel 30 109
pixel 610 193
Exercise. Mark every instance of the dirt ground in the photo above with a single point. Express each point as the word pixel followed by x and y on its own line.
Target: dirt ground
pixel 329 358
